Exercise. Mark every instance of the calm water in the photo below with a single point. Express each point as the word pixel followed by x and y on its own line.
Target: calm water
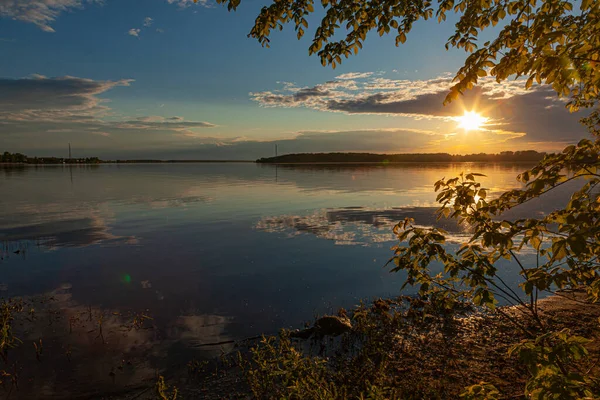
pixel 210 251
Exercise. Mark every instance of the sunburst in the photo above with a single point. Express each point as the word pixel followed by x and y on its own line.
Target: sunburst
pixel 471 121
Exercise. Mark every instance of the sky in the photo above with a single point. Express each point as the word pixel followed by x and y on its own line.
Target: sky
pixel 174 79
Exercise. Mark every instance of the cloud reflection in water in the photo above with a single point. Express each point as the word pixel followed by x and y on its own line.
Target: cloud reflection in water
pixel 79 362
pixel 78 232
pixel 355 225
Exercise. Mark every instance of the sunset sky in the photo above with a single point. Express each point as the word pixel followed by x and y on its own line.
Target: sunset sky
pixel 178 80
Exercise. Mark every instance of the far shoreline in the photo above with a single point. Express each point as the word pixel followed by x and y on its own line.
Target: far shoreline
pixel 65 164
pixel 394 162
pixel 335 158
pixel 349 163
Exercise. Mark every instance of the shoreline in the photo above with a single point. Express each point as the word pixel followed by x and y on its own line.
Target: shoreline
pixel 479 353
pixel 131 162
pixel 349 163
pixel 478 350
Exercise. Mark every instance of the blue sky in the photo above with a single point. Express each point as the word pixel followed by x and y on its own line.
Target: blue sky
pixel 173 79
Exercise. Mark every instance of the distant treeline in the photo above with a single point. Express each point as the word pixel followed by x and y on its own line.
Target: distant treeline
pixel 315 158
pixel 171 161
pixel 19 158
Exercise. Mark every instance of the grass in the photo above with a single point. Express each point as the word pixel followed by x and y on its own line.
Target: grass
pixel 8 309
pixel 409 348
pixel 8 340
pixel 46 340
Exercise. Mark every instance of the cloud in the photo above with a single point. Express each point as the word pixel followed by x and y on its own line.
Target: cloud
pixel 39 12
pixel 148 137
pixel 42 97
pixel 188 3
pixel 199 146
pixel 371 140
pixel 39 106
pixel 157 122
pixel 148 22
pixel 105 134
pixel 527 115
pixel 354 75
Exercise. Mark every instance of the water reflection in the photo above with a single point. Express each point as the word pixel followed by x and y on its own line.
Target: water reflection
pixel 398 177
pixel 87 351
pixel 66 233
pixel 354 225
pixel 211 252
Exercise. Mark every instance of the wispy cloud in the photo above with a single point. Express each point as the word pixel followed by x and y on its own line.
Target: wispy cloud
pixel 354 75
pixel 158 122
pixel 370 140
pixel 188 3
pixel 148 22
pixel 39 12
pixel 44 13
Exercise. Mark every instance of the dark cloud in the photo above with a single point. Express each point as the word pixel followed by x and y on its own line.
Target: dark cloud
pixel 157 123
pixel 300 96
pixel 36 106
pixel 39 93
pixel 531 116
pixel 306 93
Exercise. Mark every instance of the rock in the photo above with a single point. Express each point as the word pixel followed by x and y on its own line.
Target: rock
pixel 328 325
pixel 332 325
pixel 302 334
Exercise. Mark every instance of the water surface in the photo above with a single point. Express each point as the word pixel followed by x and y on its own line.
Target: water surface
pixel 212 252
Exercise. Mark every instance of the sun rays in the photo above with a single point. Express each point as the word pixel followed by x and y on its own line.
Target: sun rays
pixel 471 121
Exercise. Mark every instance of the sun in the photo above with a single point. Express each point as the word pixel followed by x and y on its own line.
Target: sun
pixel 471 121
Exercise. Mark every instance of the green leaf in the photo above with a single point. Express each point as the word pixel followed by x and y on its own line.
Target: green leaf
pixel 577 244
pixel 559 249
